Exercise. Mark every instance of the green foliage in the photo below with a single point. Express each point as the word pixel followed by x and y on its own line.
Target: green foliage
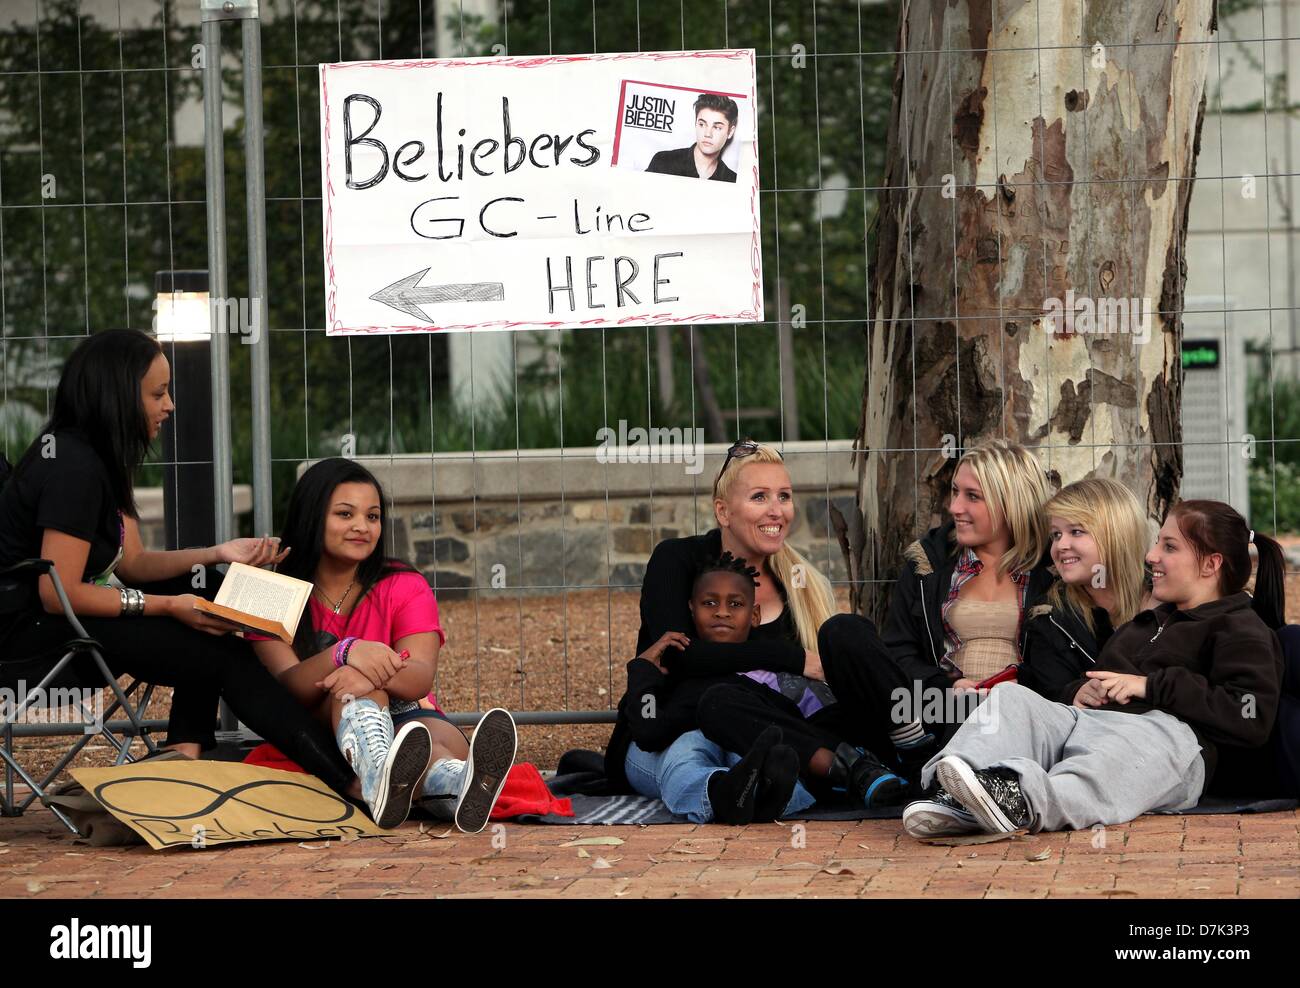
pixel 1275 487
pixel 1273 418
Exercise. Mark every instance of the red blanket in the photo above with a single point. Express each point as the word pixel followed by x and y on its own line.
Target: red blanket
pixel 525 791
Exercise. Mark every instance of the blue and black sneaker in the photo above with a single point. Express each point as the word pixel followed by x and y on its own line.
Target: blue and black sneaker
pixel 866 779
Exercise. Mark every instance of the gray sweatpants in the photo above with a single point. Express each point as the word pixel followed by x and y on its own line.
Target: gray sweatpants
pixel 1080 767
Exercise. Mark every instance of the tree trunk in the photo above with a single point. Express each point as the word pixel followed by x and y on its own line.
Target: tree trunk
pixel 1034 150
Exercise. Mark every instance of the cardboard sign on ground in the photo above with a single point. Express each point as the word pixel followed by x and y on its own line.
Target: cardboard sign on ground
pixel 204 804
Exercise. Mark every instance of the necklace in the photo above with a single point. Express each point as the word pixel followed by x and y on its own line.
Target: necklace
pixel 337 607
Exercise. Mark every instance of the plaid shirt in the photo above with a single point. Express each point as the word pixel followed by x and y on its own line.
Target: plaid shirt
pixel 968 567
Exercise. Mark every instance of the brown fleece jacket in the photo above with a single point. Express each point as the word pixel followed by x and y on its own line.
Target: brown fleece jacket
pixel 1217 668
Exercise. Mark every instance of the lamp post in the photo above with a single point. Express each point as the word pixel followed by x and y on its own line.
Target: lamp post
pixel 183 328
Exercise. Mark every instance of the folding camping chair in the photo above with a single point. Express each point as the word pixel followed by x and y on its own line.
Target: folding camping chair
pixel 82 666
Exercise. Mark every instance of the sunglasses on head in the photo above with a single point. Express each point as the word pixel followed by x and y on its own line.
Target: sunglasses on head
pixel 738 450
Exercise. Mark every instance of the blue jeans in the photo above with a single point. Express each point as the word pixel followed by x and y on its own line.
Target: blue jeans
pixel 680 776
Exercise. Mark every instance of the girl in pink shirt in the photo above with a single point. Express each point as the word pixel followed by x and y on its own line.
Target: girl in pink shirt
pixel 365 654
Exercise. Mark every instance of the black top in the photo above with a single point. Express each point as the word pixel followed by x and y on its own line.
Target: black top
pixel 665 593
pixel 1217 668
pixel 682 162
pixel 1058 647
pixel 69 491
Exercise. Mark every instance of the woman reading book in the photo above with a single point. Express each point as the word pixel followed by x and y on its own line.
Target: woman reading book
pixel 71 500
pixel 365 652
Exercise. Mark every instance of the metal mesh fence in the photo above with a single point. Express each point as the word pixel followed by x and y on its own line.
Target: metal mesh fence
pixel 486 442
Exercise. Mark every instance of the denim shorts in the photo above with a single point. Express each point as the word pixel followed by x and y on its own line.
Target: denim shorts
pixel 404 711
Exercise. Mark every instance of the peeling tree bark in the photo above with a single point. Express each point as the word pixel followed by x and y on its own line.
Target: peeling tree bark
pixel 1023 162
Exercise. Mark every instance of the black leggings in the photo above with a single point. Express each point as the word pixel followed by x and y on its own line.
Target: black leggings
pixel 859 672
pixel 203 668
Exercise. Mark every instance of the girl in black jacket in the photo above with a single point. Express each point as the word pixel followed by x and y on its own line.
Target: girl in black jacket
pixel 1097 531
pixel 1201 669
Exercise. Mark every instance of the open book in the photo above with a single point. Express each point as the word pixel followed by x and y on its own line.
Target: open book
pixel 259 600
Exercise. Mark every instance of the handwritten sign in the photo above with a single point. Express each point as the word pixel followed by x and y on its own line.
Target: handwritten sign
pixel 203 804
pixel 539 192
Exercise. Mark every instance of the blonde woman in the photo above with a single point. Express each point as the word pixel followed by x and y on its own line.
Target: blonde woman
pixel 655 750
pixel 1098 532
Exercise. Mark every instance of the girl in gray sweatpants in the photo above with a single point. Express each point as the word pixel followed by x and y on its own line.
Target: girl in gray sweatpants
pixel 1080 767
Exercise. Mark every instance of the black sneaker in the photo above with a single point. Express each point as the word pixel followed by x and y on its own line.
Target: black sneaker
pixel 939 815
pixel 866 778
pixel 992 795
pixel 491 753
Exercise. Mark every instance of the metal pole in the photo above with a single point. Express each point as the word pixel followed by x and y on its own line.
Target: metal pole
pixel 260 340
pixel 214 157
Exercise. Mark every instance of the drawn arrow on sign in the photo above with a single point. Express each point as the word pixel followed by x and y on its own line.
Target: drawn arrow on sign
pixel 405 295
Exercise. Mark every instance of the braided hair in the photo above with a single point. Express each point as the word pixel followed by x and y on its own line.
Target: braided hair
pixel 727 563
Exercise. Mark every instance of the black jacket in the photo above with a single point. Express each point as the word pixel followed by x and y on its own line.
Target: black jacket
pixel 913 628
pixel 1057 647
pixel 1217 668
pixel 665 593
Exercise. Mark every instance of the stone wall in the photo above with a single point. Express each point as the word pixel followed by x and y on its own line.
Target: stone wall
pixel 538 521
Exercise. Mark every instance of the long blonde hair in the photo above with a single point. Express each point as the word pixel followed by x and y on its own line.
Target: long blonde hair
pixel 1015 489
pixel 1115 520
pixel 807 590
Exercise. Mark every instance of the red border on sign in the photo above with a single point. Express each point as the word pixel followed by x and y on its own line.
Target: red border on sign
pixel 334 327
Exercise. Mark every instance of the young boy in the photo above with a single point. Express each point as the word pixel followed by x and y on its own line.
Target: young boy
pixel 659 709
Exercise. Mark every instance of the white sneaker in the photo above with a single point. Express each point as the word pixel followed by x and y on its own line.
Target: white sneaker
pixel 389 767
pixel 939 815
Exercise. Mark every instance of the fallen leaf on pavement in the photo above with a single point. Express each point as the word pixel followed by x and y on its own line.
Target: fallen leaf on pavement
pixel 35 887
pixel 834 868
pixel 313 847
pixel 582 853
pixel 960 840
pixel 594 841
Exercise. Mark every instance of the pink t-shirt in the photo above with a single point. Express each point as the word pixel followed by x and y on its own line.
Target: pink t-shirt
pixel 398 605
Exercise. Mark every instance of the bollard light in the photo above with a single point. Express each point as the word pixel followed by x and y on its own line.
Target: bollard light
pixel 181 307
pixel 181 325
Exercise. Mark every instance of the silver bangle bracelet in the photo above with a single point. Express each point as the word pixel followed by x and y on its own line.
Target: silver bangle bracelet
pixel 132 602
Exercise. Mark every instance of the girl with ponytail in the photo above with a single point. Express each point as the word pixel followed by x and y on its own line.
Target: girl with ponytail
pixel 1142 730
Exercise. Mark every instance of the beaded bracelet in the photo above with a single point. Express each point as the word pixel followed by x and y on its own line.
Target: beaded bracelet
pixel 341 652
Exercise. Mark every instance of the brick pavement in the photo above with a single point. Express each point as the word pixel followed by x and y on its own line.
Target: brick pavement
pixel 1249 856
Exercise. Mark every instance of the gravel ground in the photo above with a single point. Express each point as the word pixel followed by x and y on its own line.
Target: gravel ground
pixel 526 665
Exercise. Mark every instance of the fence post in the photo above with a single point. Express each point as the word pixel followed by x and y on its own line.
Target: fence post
pixel 255 185
pixel 213 13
